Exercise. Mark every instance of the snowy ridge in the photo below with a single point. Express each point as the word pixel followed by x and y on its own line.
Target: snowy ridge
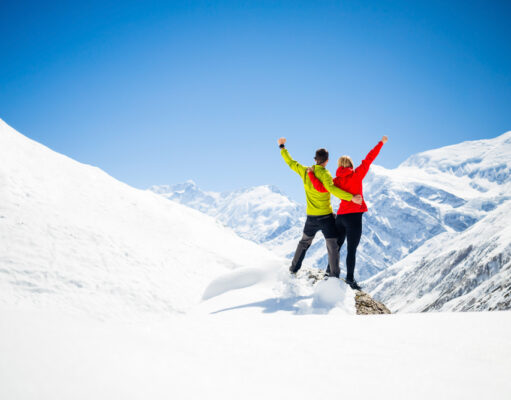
pixel 460 195
pixel 468 271
pixel 73 237
pixel 486 160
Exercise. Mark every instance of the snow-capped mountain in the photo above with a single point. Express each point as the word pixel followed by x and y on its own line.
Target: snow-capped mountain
pixel 443 190
pixel 260 214
pixel 467 267
pixel 454 271
pixel 73 237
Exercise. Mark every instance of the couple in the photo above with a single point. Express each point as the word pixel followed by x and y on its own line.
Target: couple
pixel 347 185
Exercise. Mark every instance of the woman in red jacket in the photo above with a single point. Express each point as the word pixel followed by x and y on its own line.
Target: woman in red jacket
pixel 349 216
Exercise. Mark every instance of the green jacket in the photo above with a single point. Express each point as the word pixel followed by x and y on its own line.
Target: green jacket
pixel 317 203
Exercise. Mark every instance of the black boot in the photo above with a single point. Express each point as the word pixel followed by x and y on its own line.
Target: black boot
pixel 353 284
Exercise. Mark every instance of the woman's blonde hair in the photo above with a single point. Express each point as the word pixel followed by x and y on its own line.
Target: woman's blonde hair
pixel 345 161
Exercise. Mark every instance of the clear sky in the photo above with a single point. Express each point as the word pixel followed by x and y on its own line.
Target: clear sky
pixel 161 92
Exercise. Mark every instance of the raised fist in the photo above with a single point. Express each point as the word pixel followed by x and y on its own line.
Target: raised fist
pixel 357 199
pixel 384 139
pixel 282 140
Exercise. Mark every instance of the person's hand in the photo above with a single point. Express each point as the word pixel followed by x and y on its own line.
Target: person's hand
pixel 310 169
pixel 357 199
pixel 384 139
pixel 282 140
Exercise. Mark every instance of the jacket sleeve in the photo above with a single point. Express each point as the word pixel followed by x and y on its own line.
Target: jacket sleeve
pixel 325 178
pixel 317 183
pixel 294 165
pixel 363 168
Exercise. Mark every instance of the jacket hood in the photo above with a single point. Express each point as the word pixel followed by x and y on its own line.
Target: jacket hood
pixel 343 171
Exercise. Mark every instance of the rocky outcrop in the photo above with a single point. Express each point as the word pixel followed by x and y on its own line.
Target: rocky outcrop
pixel 314 274
pixel 364 303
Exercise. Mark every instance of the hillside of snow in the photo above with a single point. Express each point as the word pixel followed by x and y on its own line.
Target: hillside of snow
pixel 467 271
pixel 74 238
pixel 262 214
pixel 77 240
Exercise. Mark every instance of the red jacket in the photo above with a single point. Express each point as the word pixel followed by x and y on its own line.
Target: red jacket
pixel 351 181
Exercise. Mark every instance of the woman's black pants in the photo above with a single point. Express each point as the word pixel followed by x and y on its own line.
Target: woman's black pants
pixel 349 226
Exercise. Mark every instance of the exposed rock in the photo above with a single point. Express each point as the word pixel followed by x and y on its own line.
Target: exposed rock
pixel 314 274
pixel 364 303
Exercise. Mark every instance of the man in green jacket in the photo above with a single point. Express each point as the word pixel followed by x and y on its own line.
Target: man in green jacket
pixel 320 215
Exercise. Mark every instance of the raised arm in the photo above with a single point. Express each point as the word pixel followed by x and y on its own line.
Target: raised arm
pixel 315 181
pixel 357 199
pixel 294 165
pixel 326 179
pixel 363 168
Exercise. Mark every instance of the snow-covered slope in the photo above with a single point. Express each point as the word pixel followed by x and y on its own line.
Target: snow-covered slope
pixel 262 214
pixel 467 271
pixel 73 237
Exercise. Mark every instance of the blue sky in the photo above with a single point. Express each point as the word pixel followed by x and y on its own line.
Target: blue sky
pixel 161 92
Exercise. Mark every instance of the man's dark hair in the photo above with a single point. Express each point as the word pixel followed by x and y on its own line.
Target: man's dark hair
pixel 321 156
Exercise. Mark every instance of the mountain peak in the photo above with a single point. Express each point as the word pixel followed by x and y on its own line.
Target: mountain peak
pixel 487 159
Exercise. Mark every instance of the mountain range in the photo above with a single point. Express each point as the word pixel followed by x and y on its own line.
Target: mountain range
pixel 440 196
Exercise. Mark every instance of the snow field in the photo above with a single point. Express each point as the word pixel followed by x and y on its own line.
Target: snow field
pixel 236 355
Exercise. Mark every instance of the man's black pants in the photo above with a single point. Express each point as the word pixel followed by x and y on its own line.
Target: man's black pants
pixel 313 224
